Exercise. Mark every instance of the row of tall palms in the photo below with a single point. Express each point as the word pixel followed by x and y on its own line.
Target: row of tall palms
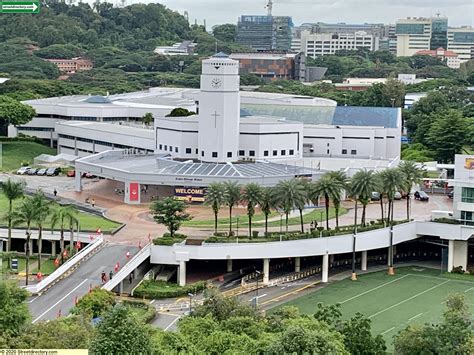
pixel 332 187
pixel 36 211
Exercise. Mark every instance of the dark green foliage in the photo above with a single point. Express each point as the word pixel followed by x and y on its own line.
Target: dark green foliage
pixel 13 309
pixel 63 51
pixel 180 112
pixel 95 303
pixel 171 213
pixel 225 33
pixel 162 289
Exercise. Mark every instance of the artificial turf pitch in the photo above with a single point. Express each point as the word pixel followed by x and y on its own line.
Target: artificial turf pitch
pixel 415 295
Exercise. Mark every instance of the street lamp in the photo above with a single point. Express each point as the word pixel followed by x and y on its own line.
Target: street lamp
pixel 256 296
pixel 190 301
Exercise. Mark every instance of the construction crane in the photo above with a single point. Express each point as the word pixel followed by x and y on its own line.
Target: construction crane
pixel 269 7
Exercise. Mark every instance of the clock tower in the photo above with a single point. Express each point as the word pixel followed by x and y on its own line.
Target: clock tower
pixel 219 110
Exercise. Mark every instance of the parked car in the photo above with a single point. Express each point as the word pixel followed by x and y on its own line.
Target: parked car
pixel 375 196
pixel 53 171
pixel 421 196
pixel 90 176
pixel 31 171
pixel 41 172
pixel 71 173
pixel 451 194
pixel 397 196
pixel 23 170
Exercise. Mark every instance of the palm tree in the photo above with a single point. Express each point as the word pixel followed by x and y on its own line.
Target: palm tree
pixel 215 197
pixel 73 222
pixel 232 197
pixel 412 175
pixel 43 210
pixel 288 194
pixel 382 193
pixel 267 202
pixel 363 183
pixel 336 199
pixel 26 213
pixel 12 190
pixel 59 218
pixel 328 187
pixel 251 194
pixel 392 180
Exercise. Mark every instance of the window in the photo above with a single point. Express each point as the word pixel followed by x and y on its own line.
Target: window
pixel 171 148
pixel 214 154
pixel 353 152
pixel 467 218
pixel 166 147
pixel 229 154
pixel 161 146
pixel 241 153
pixel 265 153
pixel 283 152
pixel 275 153
pixel 202 153
pixel 197 151
pixel 176 149
pixel 327 151
pixel 467 195
pixel 188 150
pixel 344 151
pixel 292 152
pixel 252 153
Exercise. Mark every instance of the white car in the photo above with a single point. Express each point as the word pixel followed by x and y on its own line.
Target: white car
pixel 397 196
pixel 23 170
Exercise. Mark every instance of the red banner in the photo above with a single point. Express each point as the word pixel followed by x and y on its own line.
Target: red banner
pixel 134 191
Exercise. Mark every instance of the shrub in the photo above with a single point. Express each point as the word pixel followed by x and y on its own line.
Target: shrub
pixel 457 270
pixel 255 234
pixel 162 289
pixel 95 303
pixel 166 239
pixel 144 311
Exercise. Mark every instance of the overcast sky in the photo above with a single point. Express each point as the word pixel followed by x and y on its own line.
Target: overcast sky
pixel 459 12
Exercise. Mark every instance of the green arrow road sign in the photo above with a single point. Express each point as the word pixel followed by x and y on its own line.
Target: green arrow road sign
pixel 13 7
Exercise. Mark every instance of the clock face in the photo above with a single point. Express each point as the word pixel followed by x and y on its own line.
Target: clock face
pixel 216 83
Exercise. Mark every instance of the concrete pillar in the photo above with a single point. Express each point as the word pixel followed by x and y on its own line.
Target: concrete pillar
pixel 297 264
pixel 325 273
pixel 132 193
pixel 78 181
pixel 121 287
pixel 363 261
pixel 266 271
pixel 229 265
pixel 457 254
pixel 182 273
pixel 53 248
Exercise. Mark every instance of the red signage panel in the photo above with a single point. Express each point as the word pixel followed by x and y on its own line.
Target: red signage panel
pixel 134 191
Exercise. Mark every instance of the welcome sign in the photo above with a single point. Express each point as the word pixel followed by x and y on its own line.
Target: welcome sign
pixel 189 194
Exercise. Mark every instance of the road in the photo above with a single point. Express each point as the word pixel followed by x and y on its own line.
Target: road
pixel 59 299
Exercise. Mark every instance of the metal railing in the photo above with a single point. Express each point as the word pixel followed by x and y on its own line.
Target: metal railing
pixel 67 266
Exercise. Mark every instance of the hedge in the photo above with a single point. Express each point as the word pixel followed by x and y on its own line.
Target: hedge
pixel 150 313
pixel 162 289
pixel 166 239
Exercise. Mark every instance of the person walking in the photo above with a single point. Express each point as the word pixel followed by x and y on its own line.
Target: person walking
pixel 55 192
pixel 93 202
pixel 130 277
pixel 110 275
pixel 103 277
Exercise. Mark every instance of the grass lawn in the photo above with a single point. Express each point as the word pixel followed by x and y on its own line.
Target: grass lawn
pixel 14 153
pixel 415 295
pixel 258 220
pixel 87 221
pixel 47 265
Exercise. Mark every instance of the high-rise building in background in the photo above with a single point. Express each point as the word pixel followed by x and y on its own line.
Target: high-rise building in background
pixel 461 41
pixel 265 33
pixel 413 35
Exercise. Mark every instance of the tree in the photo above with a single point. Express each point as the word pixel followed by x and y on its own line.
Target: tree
pixel 358 337
pixel 342 178
pixel 225 32
pixel 171 213
pixel 215 197
pixel 288 194
pixel 120 333
pixel 453 335
pixel 232 197
pixel 26 213
pixel 94 304
pixel 411 175
pixel 43 209
pixel 448 135
pixel 13 112
pixel 147 118
pixel 363 183
pixel 59 218
pixel 328 187
pixel 62 333
pixel 14 313
pixel 267 202
pixel 71 215
pixel 392 181
pixel 12 191
pixel 251 194
pixel 180 112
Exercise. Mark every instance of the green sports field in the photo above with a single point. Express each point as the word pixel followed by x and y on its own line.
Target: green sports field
pixel 415 295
